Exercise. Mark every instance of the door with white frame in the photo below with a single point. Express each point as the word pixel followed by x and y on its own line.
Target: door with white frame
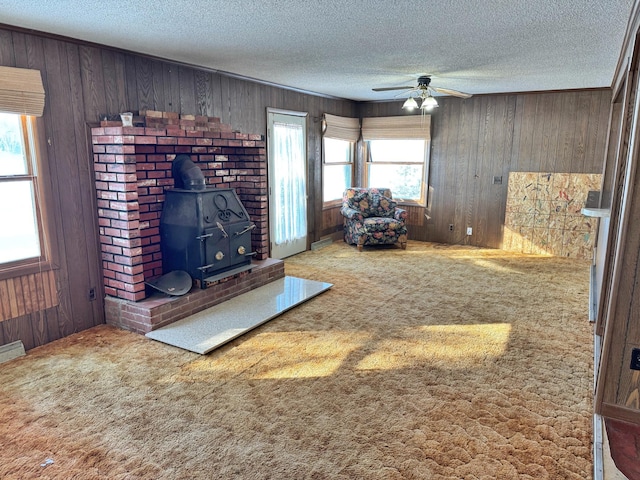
pixel 287 174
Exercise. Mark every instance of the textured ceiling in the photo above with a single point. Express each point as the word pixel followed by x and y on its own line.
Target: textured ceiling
pixel 345 48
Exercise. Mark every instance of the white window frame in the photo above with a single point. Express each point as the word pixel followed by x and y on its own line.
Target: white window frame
pixel 351 162
pixel 411 127
pixel 339 128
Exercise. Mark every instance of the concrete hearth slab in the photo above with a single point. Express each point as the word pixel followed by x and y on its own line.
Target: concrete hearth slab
pixel 215 326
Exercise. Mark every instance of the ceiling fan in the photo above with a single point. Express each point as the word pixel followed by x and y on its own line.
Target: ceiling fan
pixel 422 91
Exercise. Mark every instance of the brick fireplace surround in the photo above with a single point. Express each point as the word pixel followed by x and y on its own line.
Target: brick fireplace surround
pixel 132 169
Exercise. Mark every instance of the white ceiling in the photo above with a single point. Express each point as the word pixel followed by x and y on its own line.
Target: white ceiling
pixel 345 48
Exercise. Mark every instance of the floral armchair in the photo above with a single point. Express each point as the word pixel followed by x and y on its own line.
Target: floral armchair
pixel 371 217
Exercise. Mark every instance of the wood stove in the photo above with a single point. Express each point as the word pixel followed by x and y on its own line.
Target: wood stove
pixel 203 231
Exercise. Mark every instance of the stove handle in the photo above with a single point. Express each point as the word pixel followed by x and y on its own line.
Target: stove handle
pixel 243 251
pixel 204 237
pixel 248 229
pixel 205 267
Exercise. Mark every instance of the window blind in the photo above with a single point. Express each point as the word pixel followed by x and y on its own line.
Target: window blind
pixel 389 128
pixel 341 128
pixel 21 91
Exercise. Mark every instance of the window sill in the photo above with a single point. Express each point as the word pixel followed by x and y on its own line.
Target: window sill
pixel 408 203
pixel 331 205
pixel 26 269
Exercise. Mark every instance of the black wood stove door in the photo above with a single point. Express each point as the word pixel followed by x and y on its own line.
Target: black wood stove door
pixel 240 243
pixel 216 250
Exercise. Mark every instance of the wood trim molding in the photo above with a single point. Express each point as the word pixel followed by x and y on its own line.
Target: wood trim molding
pixel 618 412
pixel 628 45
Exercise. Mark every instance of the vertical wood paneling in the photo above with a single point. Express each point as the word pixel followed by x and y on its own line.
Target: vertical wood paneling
pixel 601 137
pixel 83 275
pixel 7 56
pixel 159 98
pixel 442 202
pixel 144 83
pixel 225 94
pixel 471 176
pixel 187 89
pixel 93 84
pixel 551 114
pixel 488 212
pixel 525 129
pixel 593 131
pixel 472 140
pixel 216 98
pixel 130 82
pixel 26 294
pixel 39 328
pixel 566 133
pixel 114 82
pixel 171 87
pixel 580 133
pixel 18 328
pixel 62 156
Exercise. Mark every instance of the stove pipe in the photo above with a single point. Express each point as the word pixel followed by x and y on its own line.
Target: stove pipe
pixel 186 174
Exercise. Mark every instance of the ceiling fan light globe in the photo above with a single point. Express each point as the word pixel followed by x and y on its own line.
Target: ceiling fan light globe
pixel 429 104
pixel 410 104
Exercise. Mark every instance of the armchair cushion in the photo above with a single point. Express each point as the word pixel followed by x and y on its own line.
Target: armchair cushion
pixel 371 217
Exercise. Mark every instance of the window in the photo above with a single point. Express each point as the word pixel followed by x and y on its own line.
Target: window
pixel 337 168
pixel 21 239
pixel 338 152
pixel 397 156
pixel 398 165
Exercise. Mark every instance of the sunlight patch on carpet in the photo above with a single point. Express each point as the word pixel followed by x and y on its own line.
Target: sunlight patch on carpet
pixel 279 355
pixel 493 266
pixel 450 345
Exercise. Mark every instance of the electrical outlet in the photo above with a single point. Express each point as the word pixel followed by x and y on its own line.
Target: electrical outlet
pixel 92 294
pixel 469 231
pixel 635 359
pixel 451 227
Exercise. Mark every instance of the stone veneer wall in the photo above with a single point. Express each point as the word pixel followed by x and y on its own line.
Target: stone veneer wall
pixel 133 168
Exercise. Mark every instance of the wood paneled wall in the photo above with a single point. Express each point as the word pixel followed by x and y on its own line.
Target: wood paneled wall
pixel 618 382
pixel 487 136
pixel 85 82
pixel 26 294
pixel 473 140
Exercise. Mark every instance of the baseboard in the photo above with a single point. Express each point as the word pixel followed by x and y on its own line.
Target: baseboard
pixel 11 350
pixel 323 242
pixel 598 457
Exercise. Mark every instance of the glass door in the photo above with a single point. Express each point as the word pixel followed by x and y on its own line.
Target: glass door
pixel 287 163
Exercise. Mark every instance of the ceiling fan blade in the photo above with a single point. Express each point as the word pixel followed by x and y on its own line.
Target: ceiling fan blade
pixel 386 89
pixel 453 93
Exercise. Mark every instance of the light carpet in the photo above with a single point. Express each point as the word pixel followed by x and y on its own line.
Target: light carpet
pixel 434 362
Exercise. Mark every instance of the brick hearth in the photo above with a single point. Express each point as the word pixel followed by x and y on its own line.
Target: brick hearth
pixel 159 310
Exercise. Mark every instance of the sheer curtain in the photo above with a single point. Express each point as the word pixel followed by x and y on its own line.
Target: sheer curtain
pixel 288 148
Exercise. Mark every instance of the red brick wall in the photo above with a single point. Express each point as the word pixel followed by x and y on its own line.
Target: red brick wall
pixel 132 169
